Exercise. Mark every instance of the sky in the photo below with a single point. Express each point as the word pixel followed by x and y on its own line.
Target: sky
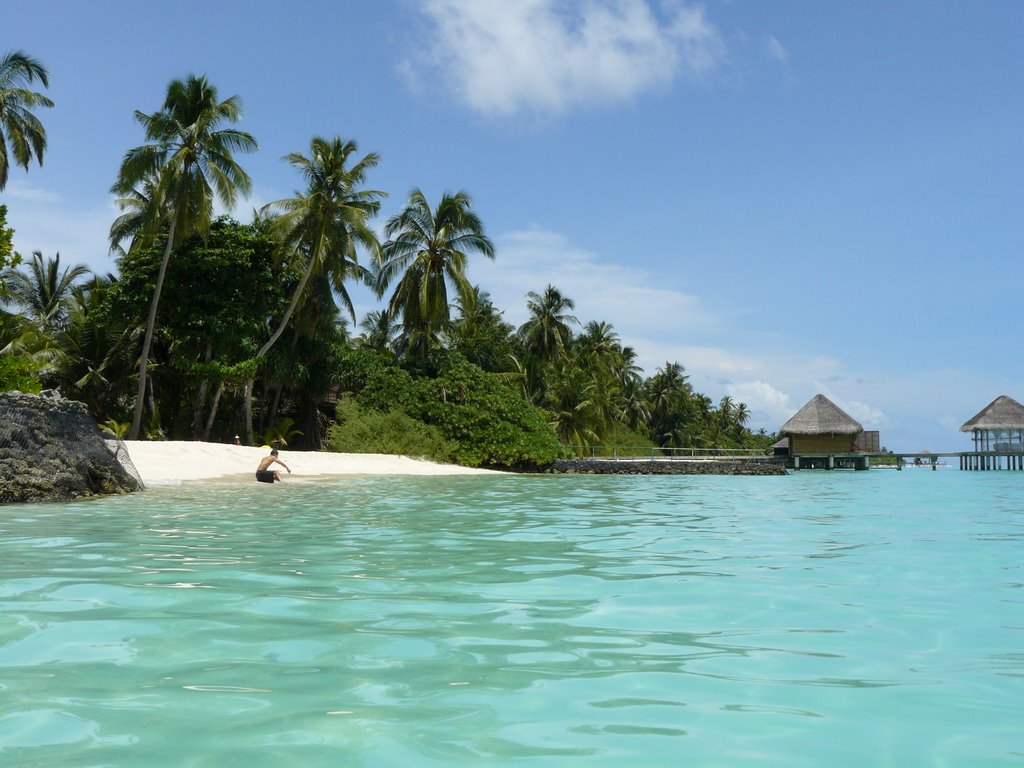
pixel 787 198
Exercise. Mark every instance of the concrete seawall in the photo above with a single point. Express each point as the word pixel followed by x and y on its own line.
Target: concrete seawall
pixel 667 467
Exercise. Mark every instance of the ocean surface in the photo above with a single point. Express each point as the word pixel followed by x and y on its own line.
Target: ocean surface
pixel 821 619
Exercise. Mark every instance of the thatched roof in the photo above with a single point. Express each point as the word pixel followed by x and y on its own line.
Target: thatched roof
pixel 1002 413
pixel 821 417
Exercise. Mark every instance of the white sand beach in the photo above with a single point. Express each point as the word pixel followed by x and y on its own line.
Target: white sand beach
pixel 173 461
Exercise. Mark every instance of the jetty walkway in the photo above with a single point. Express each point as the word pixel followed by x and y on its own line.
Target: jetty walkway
pixel 740 461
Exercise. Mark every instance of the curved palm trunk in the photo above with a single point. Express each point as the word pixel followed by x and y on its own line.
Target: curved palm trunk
pixel 140 396
pixel 296 295
pixel 213 411
pixel 200 401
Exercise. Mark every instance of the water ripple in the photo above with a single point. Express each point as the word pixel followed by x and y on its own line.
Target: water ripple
pixel 851 619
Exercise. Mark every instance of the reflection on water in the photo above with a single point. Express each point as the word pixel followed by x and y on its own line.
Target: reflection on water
pixel 855 619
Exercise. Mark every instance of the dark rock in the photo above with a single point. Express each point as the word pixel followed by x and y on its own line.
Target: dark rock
pixel 725 466
pixel 52 450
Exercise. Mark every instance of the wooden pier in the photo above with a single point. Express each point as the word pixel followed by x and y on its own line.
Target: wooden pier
pixel 975 461
pixel 971 461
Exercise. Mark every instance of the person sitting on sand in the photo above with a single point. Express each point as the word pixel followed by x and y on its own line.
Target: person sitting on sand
pixel 265 475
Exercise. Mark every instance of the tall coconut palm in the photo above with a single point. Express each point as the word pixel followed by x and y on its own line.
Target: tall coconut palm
pixel 669 393
pixel 137 217
pixel 741 414
pixel 324 225
pixel 379 331
pixel 547 333
pixel 19 127
pixel 43 292
pixel 573 403
pixel 427 249
pixel 187 164
pixel 97 356
pixel 43 295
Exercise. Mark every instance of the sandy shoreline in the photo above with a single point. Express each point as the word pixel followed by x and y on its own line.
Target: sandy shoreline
pixel 173 461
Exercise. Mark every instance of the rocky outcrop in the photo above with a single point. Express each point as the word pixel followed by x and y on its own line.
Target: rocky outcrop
pixel 52 450
pixel 765 466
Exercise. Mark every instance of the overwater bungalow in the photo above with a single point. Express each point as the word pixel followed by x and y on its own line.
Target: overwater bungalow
pixel 822 435
pixel 997 431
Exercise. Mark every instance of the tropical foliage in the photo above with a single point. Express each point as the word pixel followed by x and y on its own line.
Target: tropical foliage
pixel 427 251
pixel 22 135
pixel 212 327
pixel 172 182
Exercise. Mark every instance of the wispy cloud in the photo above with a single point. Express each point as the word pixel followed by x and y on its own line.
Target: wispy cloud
pixel 627 297
pixel 721 353
pixel 548 56
pixel 763 398
pixel 47 223
pixel 24 190
pixel 776 50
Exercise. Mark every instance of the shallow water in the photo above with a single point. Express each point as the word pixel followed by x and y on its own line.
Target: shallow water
pixel 842 619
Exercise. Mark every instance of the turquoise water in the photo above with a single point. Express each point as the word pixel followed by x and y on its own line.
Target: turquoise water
pixel 840 619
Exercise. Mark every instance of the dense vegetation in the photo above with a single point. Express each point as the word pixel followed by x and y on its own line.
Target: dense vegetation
pixel 213 326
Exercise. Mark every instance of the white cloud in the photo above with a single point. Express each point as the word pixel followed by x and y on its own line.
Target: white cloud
pixel 763 398
pixel 530 260
pixel 23 190
pixel 244 206
pixel 546 56
pixel 869 416
pixel 776 50
pixel 46 223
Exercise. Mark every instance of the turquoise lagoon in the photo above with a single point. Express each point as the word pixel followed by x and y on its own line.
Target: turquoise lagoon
pixel 821 619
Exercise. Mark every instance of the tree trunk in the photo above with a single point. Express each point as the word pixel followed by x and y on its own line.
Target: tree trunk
pixel 273 339
pixel 213 411
pixel 277 402
pixel 133 432
pixel 248 409
pixel 200 403
pixel 279 389
pixel 152 403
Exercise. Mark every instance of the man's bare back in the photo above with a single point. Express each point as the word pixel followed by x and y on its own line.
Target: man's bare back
pixel 265 475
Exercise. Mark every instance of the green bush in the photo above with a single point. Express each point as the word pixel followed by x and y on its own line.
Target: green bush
pixel 363 430
pixel 18 373
pixel 488 420
pixel 479 419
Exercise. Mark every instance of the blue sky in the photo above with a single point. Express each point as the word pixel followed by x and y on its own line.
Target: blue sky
pixel 785 197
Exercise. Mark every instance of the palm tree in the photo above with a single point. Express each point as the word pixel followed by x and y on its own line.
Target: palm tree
pixel 96 349
pixel 325 223
pixel 574 403
pixel 19 127
pixel 379 332
pixel 429 248
pixel 323 226
pixel 741 414
pixel 547 333
pixel 43 293
pixel 188 162
pixel 137 218
pixel 669 393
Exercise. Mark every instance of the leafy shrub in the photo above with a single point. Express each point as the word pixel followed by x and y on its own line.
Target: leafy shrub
pixel 486 418
pixel 18 373
pixel 479 419
pixel 363 430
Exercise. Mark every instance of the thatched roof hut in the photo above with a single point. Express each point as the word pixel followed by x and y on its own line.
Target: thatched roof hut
pixel 999 426
pixel 1002 414
pixel 821 417
pixel 821 428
